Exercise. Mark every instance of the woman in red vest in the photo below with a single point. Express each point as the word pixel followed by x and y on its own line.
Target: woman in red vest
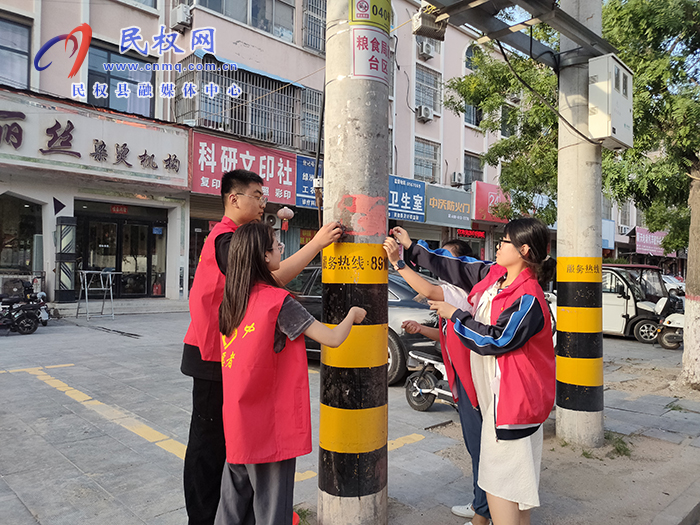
pixel 507 359
pixel 267 420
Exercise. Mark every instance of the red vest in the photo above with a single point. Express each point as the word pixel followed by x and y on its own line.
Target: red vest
pixel 206 295
pixel 527 387
pixel 457 359
pixel 267 411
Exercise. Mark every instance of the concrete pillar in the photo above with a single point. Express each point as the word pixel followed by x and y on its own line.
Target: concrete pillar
pixel 579 249
pixel 353 413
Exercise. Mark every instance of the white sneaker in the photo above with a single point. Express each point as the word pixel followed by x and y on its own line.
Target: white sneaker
pixel 464 511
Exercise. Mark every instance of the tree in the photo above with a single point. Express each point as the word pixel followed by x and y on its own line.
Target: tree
pixel 660 42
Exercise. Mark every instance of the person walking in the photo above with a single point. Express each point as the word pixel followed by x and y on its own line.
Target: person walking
pixel 507 336
pixel 267 410
pixel 244 201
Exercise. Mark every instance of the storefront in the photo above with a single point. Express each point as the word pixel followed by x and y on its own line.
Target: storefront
pixel 485 196
pixel 87 190
pixel 451 210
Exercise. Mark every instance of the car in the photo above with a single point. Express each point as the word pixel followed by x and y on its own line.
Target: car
pixel 404 304
pixel 672 283
pixel 630 294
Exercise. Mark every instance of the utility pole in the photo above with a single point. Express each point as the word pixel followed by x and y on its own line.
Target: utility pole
pixel 352 476
pixel 579 417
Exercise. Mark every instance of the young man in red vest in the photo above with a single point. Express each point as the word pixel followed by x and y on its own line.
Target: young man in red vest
pixel 244 201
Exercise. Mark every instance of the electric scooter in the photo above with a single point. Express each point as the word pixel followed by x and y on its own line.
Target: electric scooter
pixel 670 330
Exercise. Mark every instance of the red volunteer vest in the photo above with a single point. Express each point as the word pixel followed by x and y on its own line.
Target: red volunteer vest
pixel 454 353
pixel 527 388
pixel 206 295
pixel 267 410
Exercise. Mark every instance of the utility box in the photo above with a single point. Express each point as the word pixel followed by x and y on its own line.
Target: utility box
pixel 610 102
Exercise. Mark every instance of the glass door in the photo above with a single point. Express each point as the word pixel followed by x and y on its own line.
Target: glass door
pixel 102 246
pixel 158 257
pixel 134 267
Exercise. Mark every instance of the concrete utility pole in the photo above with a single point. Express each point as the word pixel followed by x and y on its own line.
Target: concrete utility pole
pixel 352 476
pixel 579 249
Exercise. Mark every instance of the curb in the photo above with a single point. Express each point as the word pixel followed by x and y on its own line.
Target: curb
pixel 684 510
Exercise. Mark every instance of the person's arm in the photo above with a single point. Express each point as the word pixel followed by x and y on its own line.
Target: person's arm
pixel 334 337
pixel 514 327
pixel 415 281
pixel 221 245
pixel 413 327
pixel 292 265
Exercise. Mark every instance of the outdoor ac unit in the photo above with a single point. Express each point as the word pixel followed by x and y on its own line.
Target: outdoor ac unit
pixel 610 102
pixel 424 113
pixel 180 18
pixel 425 23
pixel 426 51
pixel 272 220
pixel 457 179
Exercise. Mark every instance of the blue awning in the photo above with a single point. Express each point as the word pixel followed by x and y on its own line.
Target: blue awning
pixel 200 53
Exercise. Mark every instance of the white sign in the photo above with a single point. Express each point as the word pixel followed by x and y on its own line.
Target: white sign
pixel 44 134
pixel 371 57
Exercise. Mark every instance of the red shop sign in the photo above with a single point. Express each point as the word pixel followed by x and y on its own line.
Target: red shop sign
pixel 116 208
pixel 486 195
pixel 474 234
pixel 213 156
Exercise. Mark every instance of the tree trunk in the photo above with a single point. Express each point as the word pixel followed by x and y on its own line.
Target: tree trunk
pixel 691 332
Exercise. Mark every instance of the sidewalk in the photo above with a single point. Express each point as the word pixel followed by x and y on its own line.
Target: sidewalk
pixel 95 419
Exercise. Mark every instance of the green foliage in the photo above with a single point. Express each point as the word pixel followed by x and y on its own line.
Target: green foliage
pixel 619 446
pixel 619 260
pixel 660 42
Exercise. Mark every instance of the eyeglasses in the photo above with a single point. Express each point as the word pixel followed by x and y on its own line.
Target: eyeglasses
pixel 498 245
pixel 262 200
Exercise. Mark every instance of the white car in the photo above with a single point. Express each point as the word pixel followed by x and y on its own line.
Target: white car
pixel 672 283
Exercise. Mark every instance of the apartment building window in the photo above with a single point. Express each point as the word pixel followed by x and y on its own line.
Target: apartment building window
pixel 125 70
pixel 315 25
pixel 428 88
pixel 311 118
pixel 625 213
pixel 472 168
pixel 606 210
pixel 14 54
pixel 508 128
pixel 640 218
pixel 469 58
pixel 266 109
pixel 472 115
pixel 273 16
pixel 426 163
pixel 437 45
pixel 149 3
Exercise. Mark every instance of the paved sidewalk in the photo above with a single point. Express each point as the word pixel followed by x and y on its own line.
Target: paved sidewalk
pixel 96 414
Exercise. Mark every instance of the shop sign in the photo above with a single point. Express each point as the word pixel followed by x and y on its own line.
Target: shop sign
pixel 371 57
pixel 486 196
pixel 649 243
pixel 448 207
pixel 471 234
pixel 43 134
pixel 305 236
pixel 122 210
pixel 213 156
pixel 608 234
pixel 406 199
pixel 306 166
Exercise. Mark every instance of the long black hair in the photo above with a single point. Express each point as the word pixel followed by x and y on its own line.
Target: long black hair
pixel 246 267
pixel 535 234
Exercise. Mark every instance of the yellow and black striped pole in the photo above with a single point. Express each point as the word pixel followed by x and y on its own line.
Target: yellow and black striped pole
pixel 352 477
pixel 580 350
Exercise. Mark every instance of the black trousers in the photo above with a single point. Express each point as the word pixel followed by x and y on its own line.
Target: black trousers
pixel 206 452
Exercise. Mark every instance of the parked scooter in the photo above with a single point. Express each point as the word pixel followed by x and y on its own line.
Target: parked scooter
pixel 18 317
pixel 25 291
pixel 670 329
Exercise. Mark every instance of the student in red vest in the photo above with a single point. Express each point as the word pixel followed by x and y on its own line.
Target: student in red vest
pixel 469 416
pixel 244 201
pixel 507 363
pixel 267 412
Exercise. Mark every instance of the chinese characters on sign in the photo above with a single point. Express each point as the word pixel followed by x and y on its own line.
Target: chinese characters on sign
pixel 649 243
pixel 214 156
pixel 306 196
pixel 448 207
pixel 582 268
pixel 406 199
pixel 352 262
pixel 60 143
pixel 11 133
pixel 162 42
pixel 371 57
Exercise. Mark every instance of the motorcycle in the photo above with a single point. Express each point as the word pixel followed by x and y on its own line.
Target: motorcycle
pixel 670 329
pixel 29 297
pixel 18 317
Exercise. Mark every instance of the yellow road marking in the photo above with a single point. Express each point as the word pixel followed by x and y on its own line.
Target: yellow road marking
pixel 303 476
pixel 405 440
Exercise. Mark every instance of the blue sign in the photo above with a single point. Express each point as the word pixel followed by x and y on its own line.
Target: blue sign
pixel 306 197
pixel 157 230
pixel 406 199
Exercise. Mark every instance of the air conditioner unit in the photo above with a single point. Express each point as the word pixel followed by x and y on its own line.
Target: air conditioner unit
pixel 272 220
pixel 180 18
pixel 425 22
pixel 426 51
pixel 457 179
pixel 424 113
pixel 622 229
